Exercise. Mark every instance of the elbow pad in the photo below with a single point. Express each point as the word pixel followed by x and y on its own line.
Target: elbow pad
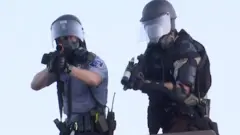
pixel 185 71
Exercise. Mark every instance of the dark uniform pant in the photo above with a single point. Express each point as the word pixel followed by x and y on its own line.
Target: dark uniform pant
pixel 171 122
pixel 186 123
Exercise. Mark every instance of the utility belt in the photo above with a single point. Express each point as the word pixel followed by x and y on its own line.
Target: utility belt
pixel 202 109
pixel 93 121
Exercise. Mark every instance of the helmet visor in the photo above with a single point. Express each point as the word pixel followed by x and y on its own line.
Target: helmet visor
pixel 64 28
pixel 157 27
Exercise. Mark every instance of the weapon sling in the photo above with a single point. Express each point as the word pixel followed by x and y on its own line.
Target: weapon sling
pixel 60 92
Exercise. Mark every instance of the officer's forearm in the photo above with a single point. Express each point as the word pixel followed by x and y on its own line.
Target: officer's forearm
pixel 154 86
pixel 176 92
pixel 42 79
pixel 89 77
pixel 171 86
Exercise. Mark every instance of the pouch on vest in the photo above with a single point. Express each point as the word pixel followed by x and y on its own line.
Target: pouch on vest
pixel 101 122
pixel 99 115
pixel 204 107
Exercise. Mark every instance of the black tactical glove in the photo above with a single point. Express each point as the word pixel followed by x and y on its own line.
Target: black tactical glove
pixel 138 81
pixel 80 55
pixel 63 65
pixel 51 62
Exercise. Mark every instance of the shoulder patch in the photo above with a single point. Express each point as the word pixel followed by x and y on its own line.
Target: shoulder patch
pixel 97 63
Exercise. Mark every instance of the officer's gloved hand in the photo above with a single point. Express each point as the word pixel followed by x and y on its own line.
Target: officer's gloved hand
pixel 80 54
pixel 63 65
pixel 138 81
pixel 52 63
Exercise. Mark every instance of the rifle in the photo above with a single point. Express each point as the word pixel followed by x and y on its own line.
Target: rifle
pixel 54 56
pixel 47 57
pixel 132 72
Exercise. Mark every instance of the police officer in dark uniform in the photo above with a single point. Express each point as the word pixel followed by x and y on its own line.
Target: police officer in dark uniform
pixel 167 72
pixel 82 80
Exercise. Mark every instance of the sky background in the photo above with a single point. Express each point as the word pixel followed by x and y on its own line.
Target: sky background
pixel 112 31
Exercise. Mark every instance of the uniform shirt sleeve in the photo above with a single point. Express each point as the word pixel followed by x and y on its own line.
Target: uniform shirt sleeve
pixel 101 92
pixel 185 67
pixel 98 66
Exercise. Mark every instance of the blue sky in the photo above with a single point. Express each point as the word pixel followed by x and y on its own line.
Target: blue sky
pixel 112 32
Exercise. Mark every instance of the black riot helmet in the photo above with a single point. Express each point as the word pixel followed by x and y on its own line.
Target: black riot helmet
pixel 158 19
pixel 156 8
pixel 68 27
